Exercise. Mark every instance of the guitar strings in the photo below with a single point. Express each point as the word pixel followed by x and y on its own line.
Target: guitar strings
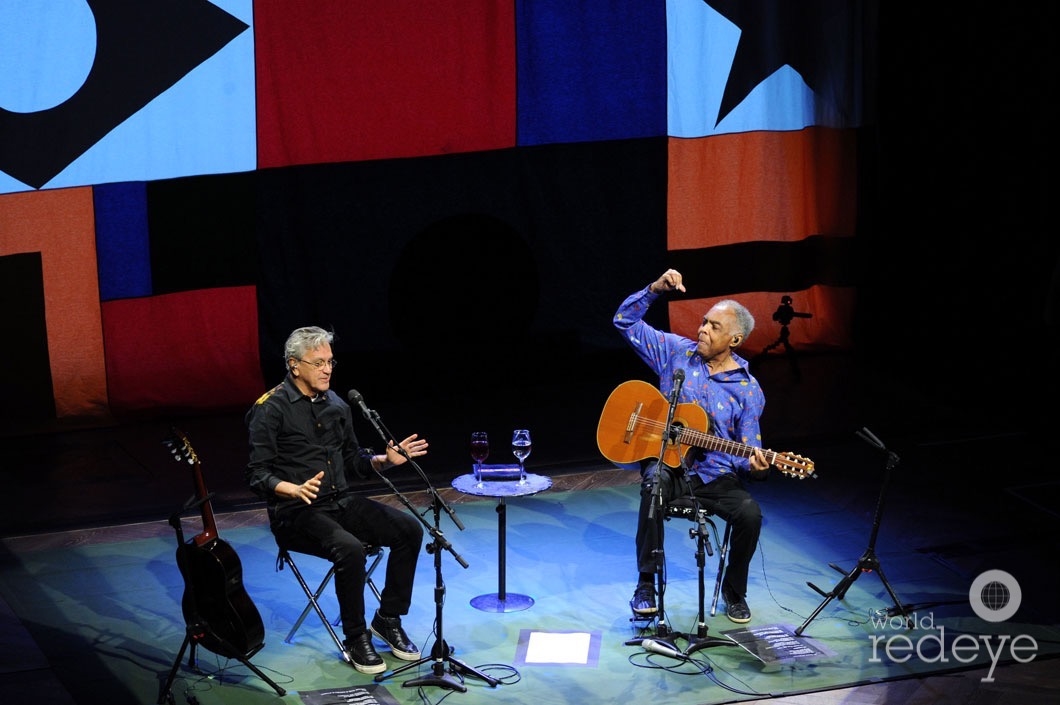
pixel 703 439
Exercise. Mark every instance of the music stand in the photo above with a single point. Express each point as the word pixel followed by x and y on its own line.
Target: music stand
pixel 868 562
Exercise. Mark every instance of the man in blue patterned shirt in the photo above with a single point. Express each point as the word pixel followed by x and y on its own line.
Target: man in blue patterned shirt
pixel 720 382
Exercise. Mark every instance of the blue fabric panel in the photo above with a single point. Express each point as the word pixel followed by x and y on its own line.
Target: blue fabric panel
pixel 738 66
pixel 122 250
pixel 592 70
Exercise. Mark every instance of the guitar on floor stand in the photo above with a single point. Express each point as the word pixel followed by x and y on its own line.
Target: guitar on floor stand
pixel 218 613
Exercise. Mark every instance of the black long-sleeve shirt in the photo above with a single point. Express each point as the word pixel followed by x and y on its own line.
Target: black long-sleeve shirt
pixel 293 437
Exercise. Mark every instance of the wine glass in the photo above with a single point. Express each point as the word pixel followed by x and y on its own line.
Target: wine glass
pixel 521 445
pixel 480 450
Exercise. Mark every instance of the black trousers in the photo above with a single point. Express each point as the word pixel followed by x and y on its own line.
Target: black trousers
pixel 339 534
pixel 725 497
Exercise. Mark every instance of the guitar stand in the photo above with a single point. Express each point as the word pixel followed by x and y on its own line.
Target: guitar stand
pixel 868 562
pixel 195 633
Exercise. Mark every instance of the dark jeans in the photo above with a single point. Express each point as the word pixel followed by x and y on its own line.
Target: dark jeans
pixel 726 497
pixel 339 534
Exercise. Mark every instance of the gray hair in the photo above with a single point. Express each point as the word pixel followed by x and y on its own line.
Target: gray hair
pixel 303 340
pixel 744 320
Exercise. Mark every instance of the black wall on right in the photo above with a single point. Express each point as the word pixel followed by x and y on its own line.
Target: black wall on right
pixel 958 302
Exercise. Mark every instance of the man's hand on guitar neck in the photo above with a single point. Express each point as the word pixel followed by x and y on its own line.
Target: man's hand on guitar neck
pixel 758 462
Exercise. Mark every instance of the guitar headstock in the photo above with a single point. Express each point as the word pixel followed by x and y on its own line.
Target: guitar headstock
pixel 180 447
pixel 794 465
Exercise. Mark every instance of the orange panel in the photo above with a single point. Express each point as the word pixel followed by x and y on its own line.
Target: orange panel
pixel 761 186
pixel 60 225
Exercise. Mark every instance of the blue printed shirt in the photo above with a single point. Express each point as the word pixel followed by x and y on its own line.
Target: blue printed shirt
pixel 733 400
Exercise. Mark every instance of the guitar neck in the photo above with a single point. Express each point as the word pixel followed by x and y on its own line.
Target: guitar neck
pixel 209 526
pixel 182 451
pixel 699 439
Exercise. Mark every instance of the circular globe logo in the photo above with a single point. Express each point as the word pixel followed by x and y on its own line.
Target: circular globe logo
pixel 995 596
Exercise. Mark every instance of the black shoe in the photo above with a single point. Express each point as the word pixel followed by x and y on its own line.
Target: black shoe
pixel 389 630
pixel 643 601
pixel 362 654
pixel 737 611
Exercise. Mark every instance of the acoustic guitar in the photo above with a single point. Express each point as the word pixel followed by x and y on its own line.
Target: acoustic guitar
pixel 633 422
pixel 215 604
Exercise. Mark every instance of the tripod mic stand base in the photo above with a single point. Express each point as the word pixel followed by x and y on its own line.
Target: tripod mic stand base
pixel 663 639
pixel 440 678
pixel 706 643
pixel 441 655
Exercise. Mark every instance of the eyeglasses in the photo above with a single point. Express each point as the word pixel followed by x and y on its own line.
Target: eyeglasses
pixel 320 363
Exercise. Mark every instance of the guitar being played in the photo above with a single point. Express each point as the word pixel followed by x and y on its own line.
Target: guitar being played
pixel 633 421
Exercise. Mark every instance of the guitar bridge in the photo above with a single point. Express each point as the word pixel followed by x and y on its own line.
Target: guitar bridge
pixel 632 423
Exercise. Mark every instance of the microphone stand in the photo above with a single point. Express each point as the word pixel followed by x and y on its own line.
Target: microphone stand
pixel 657 511
pixel 441 653
pixel 869 561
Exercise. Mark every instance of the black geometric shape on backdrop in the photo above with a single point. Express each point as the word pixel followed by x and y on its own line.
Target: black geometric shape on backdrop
pixel 490 281
pixel 813 37
pixel 771 266
pixel 22 280
pixel 142 49
pixel 202 232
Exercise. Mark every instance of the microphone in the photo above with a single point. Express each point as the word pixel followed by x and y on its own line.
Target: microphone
pixel 355 398
pixel 662 648
pixel 679 379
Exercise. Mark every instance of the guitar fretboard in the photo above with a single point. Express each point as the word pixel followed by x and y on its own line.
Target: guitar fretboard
pixel 699 439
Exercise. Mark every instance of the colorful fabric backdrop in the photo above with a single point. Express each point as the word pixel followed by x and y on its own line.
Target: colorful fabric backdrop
pixel 183 182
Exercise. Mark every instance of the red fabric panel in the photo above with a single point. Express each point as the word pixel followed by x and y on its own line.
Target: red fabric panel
pixel 192 350
pixel 830 325
pixel 766 186
pixel 59 224
pixel 780 186
pixel 350 80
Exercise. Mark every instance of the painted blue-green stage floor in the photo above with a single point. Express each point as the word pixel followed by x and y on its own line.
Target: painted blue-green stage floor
pixel 104 618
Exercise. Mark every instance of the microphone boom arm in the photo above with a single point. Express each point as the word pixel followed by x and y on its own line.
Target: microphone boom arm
pixel 388 440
